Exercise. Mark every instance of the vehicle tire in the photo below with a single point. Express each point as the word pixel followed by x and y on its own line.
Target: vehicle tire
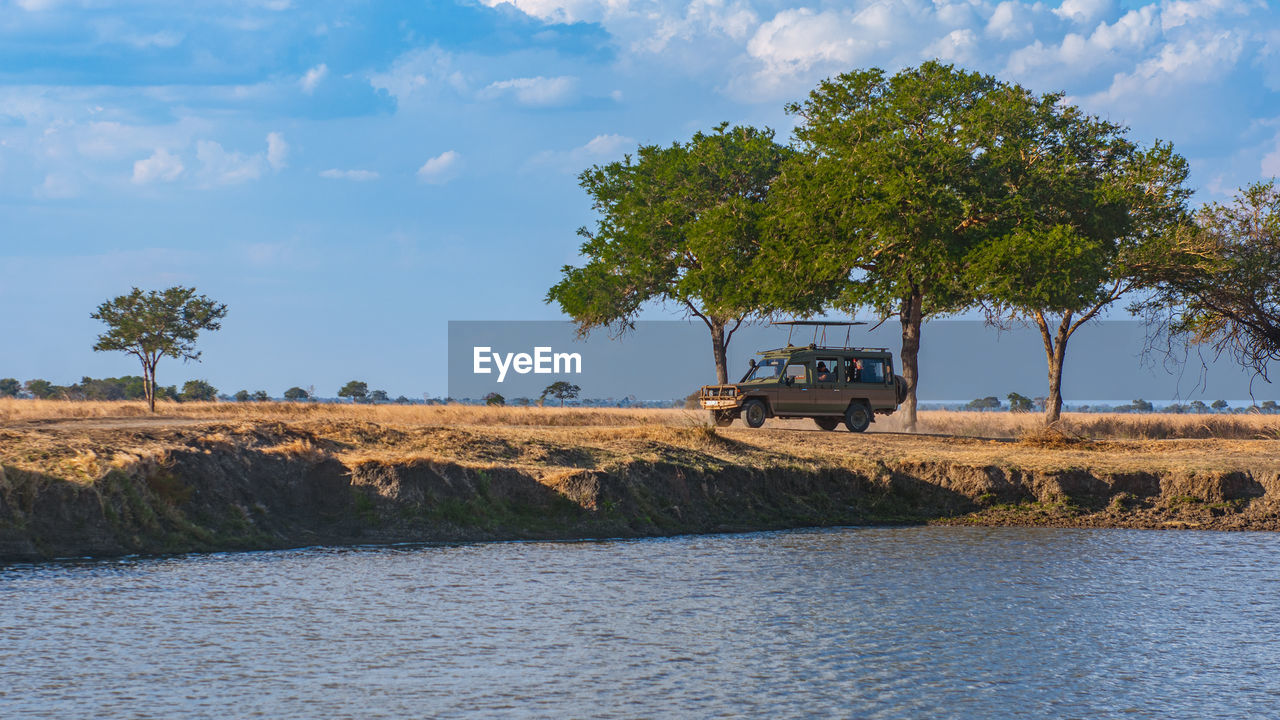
pixel 722 418
pixel 858 417
pixel 900 388
pixel 754 413
pixel 827 423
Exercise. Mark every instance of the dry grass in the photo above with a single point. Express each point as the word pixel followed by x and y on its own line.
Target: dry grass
pixel 1003 425
pixel 17 411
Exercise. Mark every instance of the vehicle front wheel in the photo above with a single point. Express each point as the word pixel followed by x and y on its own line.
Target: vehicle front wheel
pixel 858 417
pixel 827 423
pixel 753 413
pixel 722 418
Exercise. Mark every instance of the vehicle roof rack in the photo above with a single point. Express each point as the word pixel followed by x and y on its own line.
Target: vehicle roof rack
pixel 823 325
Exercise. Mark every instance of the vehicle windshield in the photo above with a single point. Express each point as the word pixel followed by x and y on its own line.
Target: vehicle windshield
pixel 765 370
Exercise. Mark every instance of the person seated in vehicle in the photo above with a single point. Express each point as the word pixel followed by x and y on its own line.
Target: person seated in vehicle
pixel 822 374
pixel 854 369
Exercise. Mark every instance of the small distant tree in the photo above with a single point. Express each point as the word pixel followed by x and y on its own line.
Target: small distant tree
pixel 9 387
pixel 1198 406
pixel 562 391
pixel 402 400
pixel 990 402
pixel 494 398
pixel 1269 406
pixel 41 389
pixel 155 324
pixel 260 396
pixel 379 396
pixel 198 390
pixel 1219 405
pixel 1020 403
pixel 355 390
pixel 296 394
pixel 242 396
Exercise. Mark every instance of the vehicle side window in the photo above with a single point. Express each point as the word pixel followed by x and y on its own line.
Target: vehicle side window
pixel 798 373
pixel 826 370
pixel 852 370
pixel 872 370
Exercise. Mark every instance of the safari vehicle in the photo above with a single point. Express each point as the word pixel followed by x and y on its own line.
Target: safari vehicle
pixel 829 382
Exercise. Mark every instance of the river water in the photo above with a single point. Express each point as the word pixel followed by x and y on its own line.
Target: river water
pixel 857 622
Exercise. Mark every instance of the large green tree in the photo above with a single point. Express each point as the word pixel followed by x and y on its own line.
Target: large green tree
pixel 678 224
pixel 1226 292
pixel 889 193
pixel 1083 215
pixel 152 325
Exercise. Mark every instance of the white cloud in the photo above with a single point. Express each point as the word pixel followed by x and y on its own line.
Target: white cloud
pixel 1010 21
pixel 1177 65
pixel 161 165
pixel 313 77
pixel 35 5
pixel 958 46
pixel 58 186
pixel 1082 11
pixel 535 91
pixel 562 11
pixel 417 70
pixel 601 148
pixel 356 175
pixel 277 150
pixel 441 168
pixel 227 168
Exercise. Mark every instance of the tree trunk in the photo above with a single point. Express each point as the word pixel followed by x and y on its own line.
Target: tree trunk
pixel 1055 351
pixel 149 383
pixel 718 349
pixel 911 317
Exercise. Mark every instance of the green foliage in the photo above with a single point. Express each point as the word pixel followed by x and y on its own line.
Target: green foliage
pixel 9 387
pixel 295 394
pixel 154 325
pixel 1198 406
pixel 261 396
pixel 42 389
pixel 889 192
pixel 379 396
pixel 1020 403
pixel 561 391
pixel 494 398
pixel 990 402
pixel 680 224
pixel 242 396
pixel 1139 405
pixel 1225 292
pixel 356 390
pixel 198 390
pixel 1219 405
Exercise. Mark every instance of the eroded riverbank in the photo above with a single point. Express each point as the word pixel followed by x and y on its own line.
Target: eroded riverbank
pixel 102 489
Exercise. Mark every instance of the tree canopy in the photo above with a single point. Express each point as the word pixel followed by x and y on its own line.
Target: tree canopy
pixel 678 224
pixel 1226 291
pixel 895 183
pixel 153 325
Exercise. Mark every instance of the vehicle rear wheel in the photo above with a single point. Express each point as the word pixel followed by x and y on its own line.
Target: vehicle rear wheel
pixel 858 417
pixel 722 418
pixel 753 412
pixel 827 423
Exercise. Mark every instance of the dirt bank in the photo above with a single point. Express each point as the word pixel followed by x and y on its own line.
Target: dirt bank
pixel 103 489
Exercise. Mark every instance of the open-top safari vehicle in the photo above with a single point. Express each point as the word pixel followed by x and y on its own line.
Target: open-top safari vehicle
pixel 826 381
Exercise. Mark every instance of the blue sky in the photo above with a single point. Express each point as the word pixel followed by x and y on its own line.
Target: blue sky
pixel 348 177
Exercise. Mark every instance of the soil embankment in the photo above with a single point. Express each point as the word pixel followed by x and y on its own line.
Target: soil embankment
pixel 72 489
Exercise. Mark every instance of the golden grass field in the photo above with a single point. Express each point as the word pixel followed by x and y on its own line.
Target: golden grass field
pixel 1088 426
